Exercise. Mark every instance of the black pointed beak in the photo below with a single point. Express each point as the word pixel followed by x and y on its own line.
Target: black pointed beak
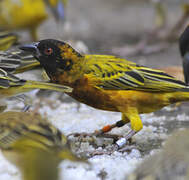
pixel 32 48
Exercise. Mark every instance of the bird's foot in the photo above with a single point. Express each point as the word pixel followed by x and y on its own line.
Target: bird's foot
pixel 124 140
pixel 119 144
pixel 100 133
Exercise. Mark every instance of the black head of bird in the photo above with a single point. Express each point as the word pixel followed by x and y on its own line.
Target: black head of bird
pixel 55 56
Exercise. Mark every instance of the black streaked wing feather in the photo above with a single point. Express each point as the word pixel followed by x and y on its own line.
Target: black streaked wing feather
pixel 9 80
pixel 7 39
pixel 17 61
pixel 41 132
pixel 119 74
pixel 9 62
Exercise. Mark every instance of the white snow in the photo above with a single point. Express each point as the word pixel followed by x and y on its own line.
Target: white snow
pixel 69 119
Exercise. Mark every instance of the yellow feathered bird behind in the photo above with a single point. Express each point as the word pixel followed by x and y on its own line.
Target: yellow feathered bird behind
pixel 34 145
pixel 7 39
pixel 28 14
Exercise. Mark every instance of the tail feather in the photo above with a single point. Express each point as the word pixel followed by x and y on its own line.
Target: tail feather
pixel 43 85
pixel 27 67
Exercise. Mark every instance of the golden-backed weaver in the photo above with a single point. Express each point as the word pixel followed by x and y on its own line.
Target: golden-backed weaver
pixel 34 145
pixel 109 83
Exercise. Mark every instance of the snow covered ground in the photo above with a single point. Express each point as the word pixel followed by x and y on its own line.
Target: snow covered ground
pixel 69 119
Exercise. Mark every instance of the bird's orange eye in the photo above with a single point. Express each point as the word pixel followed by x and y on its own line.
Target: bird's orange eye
pixel 48 51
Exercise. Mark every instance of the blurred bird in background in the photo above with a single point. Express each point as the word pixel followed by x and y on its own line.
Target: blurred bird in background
pixel 16 61
pixel 108 82
pixel 58 8
pixel 11 85
pixel 7 39
pixel 34 145
pixel 12 59
pixel 29 14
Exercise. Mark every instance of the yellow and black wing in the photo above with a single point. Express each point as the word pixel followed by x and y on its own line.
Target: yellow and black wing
pixel 16 61
pixel 7 39
pixel 8 80
pixel 9 62
pixel 113 73
pixel 28 127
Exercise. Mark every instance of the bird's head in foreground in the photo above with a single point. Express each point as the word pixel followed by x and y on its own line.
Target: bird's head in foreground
pixel 55 56
pixel 184 50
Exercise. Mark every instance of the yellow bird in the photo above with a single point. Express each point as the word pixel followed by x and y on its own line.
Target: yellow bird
pixel 109 83
pixel 34 145
pixel 28 14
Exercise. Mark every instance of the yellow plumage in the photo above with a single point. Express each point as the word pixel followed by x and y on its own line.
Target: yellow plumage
pixel 34 145
pixel 23 14
pixel 108 82
pixel 7 39
pixel 11 85
pixel 15 61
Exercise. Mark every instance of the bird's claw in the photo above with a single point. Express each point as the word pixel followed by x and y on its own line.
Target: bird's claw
pixel 123 141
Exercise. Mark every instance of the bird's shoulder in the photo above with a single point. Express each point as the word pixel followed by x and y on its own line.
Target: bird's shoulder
pixel 107 65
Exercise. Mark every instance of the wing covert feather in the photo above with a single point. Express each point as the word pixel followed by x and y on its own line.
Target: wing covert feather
pixel 114 73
